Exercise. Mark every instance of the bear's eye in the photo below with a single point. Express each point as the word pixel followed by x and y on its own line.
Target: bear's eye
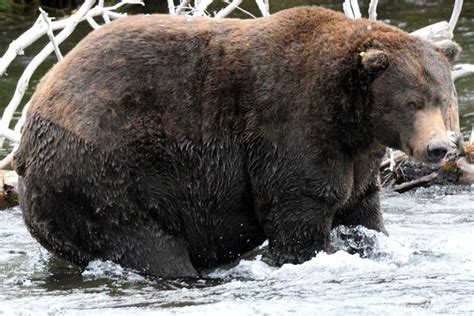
pixel 442 100
pixel 415 105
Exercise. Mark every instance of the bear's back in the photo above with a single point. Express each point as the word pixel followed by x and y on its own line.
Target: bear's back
pixel 173 77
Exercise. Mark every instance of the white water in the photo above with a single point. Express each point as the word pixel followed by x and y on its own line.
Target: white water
pixel 426 266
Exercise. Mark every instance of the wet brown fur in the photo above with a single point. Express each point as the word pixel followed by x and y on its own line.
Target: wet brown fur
pixel 175 144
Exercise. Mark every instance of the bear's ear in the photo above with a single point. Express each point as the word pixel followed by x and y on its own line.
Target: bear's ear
pixel 449 49
pixel 374 61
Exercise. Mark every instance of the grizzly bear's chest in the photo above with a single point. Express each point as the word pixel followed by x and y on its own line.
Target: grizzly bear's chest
pixel 365 171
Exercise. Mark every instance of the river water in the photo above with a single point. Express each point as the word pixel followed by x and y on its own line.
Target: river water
pixel 426 266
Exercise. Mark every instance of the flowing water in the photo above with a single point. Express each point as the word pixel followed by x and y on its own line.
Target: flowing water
pixel 426 266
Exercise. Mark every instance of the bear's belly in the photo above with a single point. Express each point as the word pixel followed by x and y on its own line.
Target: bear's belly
pixel 206 186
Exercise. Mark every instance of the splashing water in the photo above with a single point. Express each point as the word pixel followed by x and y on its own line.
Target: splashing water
pixel 426 266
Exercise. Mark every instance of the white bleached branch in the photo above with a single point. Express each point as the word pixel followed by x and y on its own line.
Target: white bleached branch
pixel 106 18
pixel 356 9
pixel 22 119
pixel 92 23
pixel 351 9
pixel 114 15
pixel 462 70
pixel 455 15
pixel 40 28
pixel 228 9
pixel 246 12
pixel 264 7
pixel 116 6
pixel 5 162
pixel 346 7
pixel 200 7
pixel 391 159
pixel 50 34
pixel 435 32
pixel 171 7
pixel 373 9
pixel 182 6
pixel 32 66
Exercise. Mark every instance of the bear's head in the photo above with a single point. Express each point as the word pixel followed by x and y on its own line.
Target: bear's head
pixel 410 94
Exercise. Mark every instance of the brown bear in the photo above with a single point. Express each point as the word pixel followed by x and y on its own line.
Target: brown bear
pixel 172 145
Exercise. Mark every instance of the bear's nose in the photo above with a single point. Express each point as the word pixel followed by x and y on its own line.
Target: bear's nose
pixel 437 152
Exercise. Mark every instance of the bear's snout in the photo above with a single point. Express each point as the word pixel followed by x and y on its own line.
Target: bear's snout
pixel 430 141
pixel 436 151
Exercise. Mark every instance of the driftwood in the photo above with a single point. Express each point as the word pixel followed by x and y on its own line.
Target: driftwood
pixel 400 173
pixel 8 193
pixel 462 70
pixel 397 157
pixel 415 183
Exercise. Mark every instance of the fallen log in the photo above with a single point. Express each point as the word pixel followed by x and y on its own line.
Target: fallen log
pixel 423 181
pixel 397 157
pixel 8 194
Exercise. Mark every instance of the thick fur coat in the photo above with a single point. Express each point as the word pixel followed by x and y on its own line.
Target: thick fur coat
pixel 174 144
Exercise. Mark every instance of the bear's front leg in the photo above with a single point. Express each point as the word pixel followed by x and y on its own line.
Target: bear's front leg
pixel 298 229
pixel 295 201
pixel 365 211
